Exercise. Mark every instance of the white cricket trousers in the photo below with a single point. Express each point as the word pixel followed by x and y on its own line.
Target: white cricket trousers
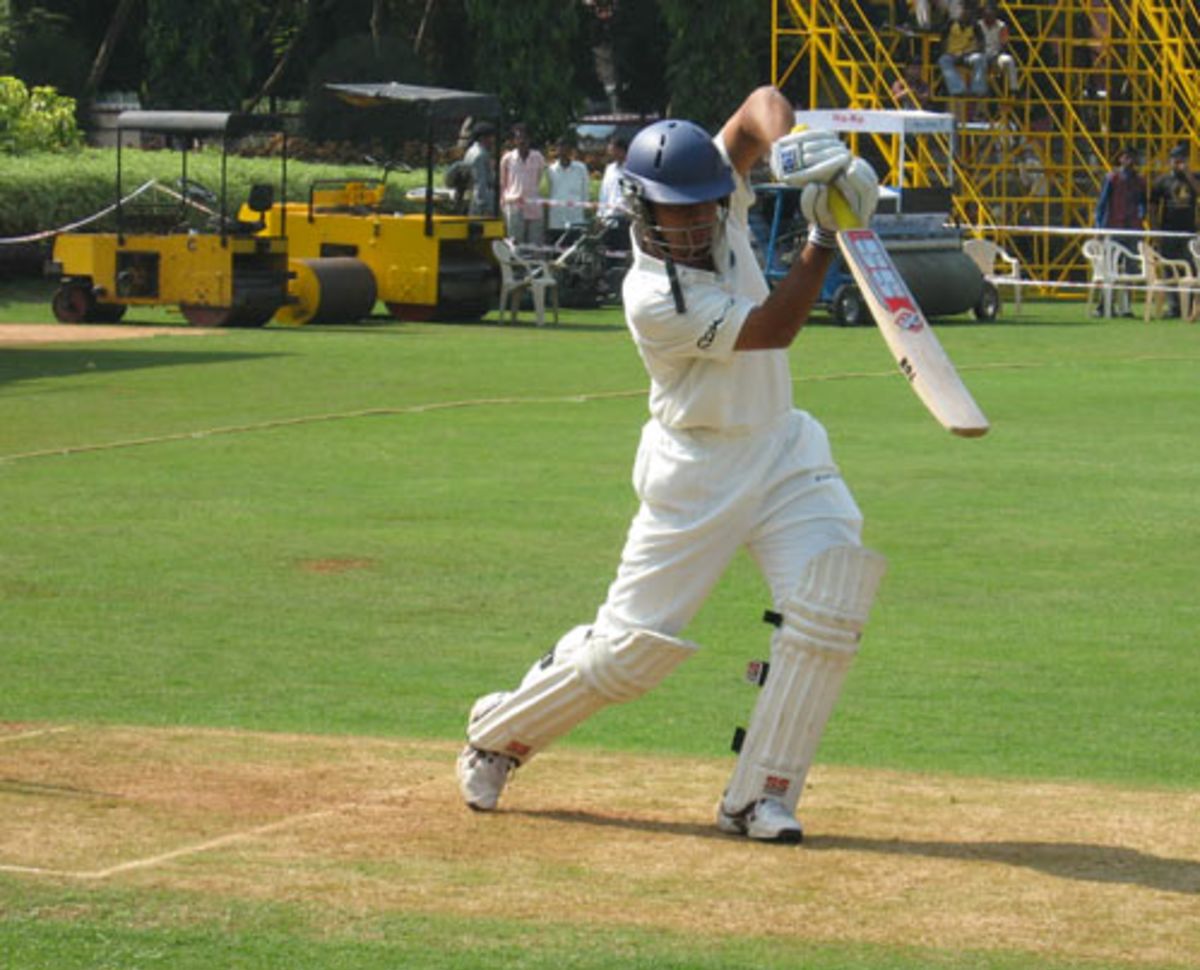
pixel 704 495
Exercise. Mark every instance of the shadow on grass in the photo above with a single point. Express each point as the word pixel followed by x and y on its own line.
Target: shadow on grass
pixel 1065 860
pixel 37 363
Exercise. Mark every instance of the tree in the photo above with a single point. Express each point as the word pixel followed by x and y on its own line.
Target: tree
pixel 286 30
pixel 639 41
pixel 535 55
pixel 112 36
pixel 198 54
pixel 715 55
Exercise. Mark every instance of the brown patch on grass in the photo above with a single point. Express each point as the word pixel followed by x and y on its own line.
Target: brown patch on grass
pixel 32 334
pixel 325 566
pixel 1069 871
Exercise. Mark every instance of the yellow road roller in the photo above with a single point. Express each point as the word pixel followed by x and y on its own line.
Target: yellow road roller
pixel 224 272
pixel 428 265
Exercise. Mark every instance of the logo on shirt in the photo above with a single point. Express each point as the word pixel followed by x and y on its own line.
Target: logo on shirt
pixel 710 335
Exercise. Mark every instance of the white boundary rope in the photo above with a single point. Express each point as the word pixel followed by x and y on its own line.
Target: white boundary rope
pixel 94 217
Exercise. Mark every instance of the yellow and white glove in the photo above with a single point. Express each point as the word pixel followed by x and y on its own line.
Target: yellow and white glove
pixel 808 156
pixel 858 185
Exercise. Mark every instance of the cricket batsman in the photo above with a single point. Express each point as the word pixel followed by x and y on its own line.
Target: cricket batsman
pixel 725 462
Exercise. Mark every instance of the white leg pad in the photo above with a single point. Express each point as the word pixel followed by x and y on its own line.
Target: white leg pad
pixel 811 652
pixel 585 673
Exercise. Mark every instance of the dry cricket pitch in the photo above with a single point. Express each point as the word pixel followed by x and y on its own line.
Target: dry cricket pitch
pixel 1063 870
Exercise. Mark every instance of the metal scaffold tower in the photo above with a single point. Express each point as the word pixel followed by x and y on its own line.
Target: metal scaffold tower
pixel 1093 76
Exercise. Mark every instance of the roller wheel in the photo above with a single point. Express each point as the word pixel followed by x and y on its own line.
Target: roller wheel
pixel 107 312
pixel 225 316
pixel 848 307
pixel 412 312
pixel 988 306
pixel 74 303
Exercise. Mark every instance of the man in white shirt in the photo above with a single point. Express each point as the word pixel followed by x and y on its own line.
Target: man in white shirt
pixel 995 46
pixel 725 462
pixel 521 170
pixel 568 180
pixel 610 201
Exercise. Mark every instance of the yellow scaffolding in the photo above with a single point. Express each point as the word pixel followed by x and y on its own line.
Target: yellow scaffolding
pixel 1094 76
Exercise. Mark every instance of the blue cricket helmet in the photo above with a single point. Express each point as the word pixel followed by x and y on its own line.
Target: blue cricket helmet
pixel 676 163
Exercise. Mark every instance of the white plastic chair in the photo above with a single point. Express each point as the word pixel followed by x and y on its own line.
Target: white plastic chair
pixel 1109 260
pixel 1164 275
pixel 518 276
pixel 1096 255
pixel 987 255
pixel 1194 249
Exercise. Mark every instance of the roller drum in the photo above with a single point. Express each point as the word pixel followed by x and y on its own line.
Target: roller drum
pixel 329 290
pixel 468 285
pixel 943 281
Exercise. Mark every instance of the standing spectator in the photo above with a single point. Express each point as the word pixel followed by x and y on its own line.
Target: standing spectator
pixel 962 46
pixel 994 34
pixel 568 179
pixel 1173 209
pixel 521 171
pixel 1122 205
pixel 478 161
pixel 612 209
pixel 611 201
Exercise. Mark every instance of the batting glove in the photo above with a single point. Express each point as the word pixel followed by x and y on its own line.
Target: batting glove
pixel 807 157
pixel 858 185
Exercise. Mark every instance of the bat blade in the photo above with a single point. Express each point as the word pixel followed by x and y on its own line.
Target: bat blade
pixel 909 336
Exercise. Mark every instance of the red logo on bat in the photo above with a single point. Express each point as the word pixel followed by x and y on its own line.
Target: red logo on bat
pixel 909 320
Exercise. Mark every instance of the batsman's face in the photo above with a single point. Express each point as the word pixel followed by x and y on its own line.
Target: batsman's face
pixel 688 232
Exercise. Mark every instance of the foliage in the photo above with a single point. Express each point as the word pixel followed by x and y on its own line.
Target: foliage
pixel 360 59
pixel 698 57
pixel 711 60
pixel 534 55
pixel 640 42
pixel 197 54
pixel 40 119
pixel 45 52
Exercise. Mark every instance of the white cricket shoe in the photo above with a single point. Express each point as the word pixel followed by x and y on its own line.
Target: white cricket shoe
pixel 481 777
pixel 483 774
pixel 767 820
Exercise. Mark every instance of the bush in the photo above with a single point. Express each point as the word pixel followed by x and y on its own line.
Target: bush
pixel 46 190
pixel 40 119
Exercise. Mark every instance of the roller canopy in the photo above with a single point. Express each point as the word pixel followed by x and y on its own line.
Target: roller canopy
pixel 198 122
pixel 438 102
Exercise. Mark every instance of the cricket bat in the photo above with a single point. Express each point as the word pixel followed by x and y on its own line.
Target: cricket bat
pixel 904 327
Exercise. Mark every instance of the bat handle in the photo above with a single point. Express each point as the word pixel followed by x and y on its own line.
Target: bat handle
pixel 846 219
pixel 842 213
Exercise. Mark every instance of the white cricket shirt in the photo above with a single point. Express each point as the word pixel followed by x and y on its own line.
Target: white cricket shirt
pixel 697 380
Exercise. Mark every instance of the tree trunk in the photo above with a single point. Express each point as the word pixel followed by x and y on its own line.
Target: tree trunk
pixel 376 24
pixel 421 29
pixel 281 64
pixel 112 36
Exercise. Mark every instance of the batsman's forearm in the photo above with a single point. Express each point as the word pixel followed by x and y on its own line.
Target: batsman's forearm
pixel 775 323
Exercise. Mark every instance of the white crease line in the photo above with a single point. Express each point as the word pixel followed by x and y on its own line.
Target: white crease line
pixel 34 734
pixel 216 843
pixel 167 856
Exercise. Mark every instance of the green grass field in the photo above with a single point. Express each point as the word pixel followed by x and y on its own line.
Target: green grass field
pixel 352 532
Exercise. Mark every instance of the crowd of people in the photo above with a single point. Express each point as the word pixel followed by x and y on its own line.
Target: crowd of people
pixel 973 47
pixel 542 202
